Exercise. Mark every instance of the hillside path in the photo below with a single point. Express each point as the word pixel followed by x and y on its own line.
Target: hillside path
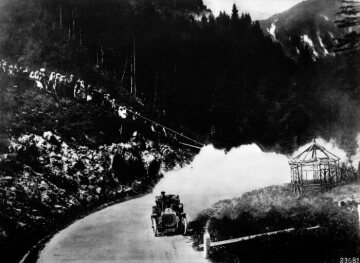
pixel 119 233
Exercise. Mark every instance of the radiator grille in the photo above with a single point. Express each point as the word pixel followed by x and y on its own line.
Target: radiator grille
pixel 169 219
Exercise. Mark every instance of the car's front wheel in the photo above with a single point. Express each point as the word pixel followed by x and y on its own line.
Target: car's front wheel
pixel 154 226
pixel 184 226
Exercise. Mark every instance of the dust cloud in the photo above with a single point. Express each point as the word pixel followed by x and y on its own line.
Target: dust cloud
pixel 355 160
pixel 215 175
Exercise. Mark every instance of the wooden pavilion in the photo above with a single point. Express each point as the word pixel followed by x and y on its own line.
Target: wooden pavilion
pixel 316 169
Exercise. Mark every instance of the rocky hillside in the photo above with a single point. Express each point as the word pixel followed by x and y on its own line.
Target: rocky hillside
pixel 308 23
pixel 63 158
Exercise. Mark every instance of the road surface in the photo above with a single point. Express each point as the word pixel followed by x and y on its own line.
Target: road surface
pixel 119 233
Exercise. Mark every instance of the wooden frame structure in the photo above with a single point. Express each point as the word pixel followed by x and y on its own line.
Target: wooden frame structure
pixel 316 169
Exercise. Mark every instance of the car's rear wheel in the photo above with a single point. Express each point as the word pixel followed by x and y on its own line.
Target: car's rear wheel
pixel 184 225
pixel 154 225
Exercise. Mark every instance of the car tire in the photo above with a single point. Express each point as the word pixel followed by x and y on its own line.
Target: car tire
pixel 154 226
pixel 184 226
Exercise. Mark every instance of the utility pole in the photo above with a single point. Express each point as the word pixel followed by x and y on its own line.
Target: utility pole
pixel 156 88
pixel 102 55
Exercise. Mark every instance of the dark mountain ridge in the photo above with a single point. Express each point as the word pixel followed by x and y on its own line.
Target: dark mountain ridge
pixel 310 22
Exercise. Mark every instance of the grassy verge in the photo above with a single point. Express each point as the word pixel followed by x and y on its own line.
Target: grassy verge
pixel 275 208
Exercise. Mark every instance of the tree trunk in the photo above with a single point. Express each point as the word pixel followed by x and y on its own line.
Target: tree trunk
pixel 102 55
pixel 123 74
pixel 156 89
pixel 60 18
pixel 131 74
pixel 134 49
pixel 73 24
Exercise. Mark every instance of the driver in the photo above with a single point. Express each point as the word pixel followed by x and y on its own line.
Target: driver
pixel 163 200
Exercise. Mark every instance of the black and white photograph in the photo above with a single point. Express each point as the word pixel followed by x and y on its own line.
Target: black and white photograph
pixel 179 131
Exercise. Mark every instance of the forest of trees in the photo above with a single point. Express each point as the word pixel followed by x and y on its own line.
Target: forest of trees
pixel 196 71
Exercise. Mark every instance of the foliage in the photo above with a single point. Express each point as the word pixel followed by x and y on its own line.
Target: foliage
pixel 198 73
pixel 195 71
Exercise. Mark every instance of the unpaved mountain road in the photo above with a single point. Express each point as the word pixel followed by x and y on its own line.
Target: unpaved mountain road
pixel 119 233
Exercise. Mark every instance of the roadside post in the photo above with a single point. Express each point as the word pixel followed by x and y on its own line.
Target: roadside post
pixel 358 210
pixel 207 242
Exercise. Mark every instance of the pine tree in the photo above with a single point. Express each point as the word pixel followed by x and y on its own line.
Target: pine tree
pixel 234 13
pixel 212 20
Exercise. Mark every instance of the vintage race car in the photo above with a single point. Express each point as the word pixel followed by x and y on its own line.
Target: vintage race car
pixel 168 215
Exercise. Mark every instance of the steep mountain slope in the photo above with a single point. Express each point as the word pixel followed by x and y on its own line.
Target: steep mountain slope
pixel 310 22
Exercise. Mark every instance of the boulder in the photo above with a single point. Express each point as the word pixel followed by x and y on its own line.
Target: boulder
pixel 3 234
pixel 43 186
pixel 47 135
pixel 59 207
pixel 52 138
pixel 45 198
pixel 64 145
pixel 92 177
pixel 21 224
pixel 7 178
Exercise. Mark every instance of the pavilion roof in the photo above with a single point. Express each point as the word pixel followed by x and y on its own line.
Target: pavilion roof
pixel 314 154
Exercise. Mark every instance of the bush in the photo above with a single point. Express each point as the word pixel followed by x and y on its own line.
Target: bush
pixel 127 170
